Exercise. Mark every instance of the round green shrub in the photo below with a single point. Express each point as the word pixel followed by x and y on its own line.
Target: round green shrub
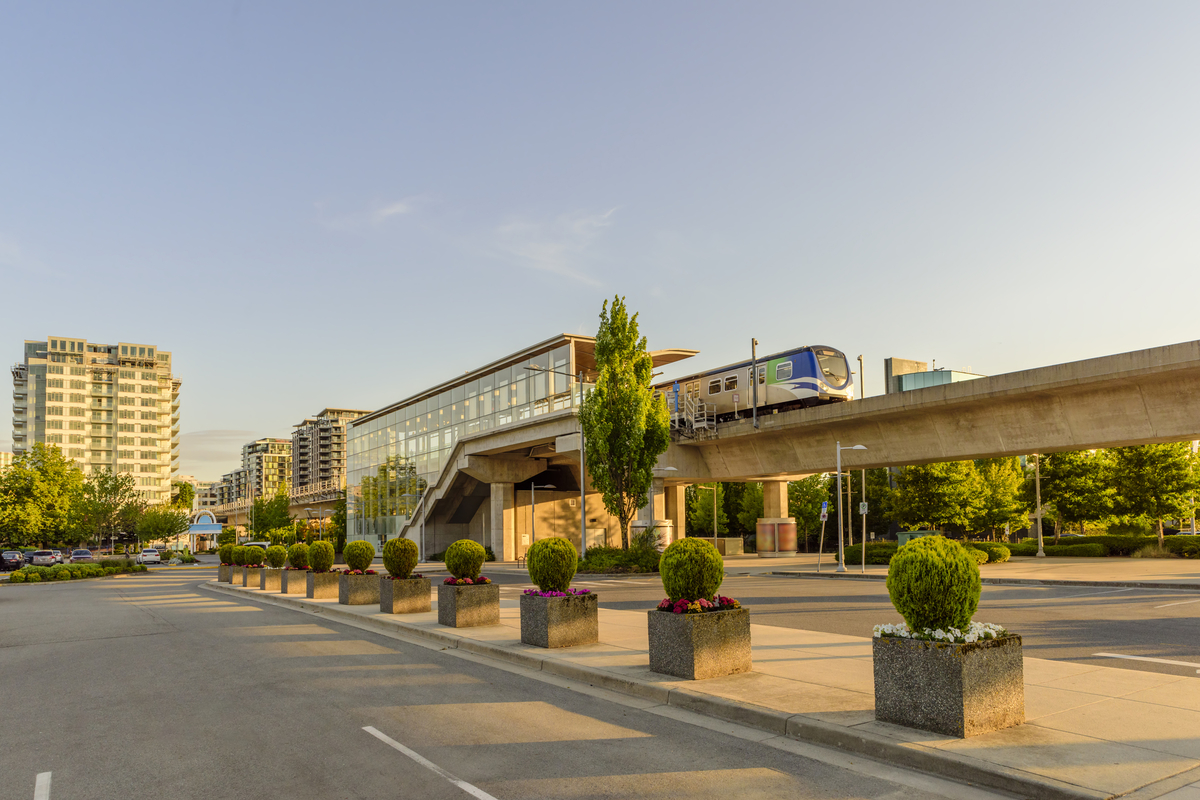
pixel 980 556
pixel 275 556
pixel 320 556
pixel 62 575
pixel 33 577
pixel 400 557
pixel 225 552
pixel 934 583
pixel 996 552
pixel 465 558
pixel 239 555
pixel 110 571
pixel 17 577
pixel 552 563
pixel 359 555
pixel 255 556
pixel 691 569
pixel 297 556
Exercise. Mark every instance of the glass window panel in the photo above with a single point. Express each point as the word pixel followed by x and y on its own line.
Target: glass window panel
pixel 541 361
pixel 473 389
pixel 502 377
pixel 519 393
pixel 458 393
pixel 472 406
pixel 539 385
pixel 561 358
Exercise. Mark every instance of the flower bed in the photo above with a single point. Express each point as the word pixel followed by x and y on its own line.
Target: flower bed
pixel 572 592
pixel 480 581
pixel 976 632
pixel 699 606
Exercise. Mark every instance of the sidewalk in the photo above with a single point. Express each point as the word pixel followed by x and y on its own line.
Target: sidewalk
pixel 1091 732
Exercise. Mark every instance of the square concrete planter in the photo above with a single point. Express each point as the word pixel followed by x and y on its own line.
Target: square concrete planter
pixel 698 646
pixel 250 577
pixel 358 590
pixel 560 621
pixel 293 581
pixel 321 585
pixel 225 573
pixel 409 596
pixel 235 575
pixel 953 689
pixel 468 606
pixel 269 580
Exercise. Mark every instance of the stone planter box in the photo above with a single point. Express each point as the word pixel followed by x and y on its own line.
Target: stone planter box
pixel 468 606
pixel 225 573
pixel 293 581
pixel 269 580
pixel 358 590
pixel 250 577
pixel 560 621
pixel 321 585
pixel 410 596
pixel 235 575
pixel 953 689
pixel 698 646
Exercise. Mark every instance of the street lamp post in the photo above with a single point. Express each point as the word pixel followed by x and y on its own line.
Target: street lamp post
pixel 1037 489
pixel 841 567
pixel 533 487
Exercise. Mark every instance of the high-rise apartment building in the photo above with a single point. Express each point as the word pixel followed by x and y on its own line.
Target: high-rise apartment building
pixel 266 464
pixel 106 406
pixel 5 460
pixel 319 449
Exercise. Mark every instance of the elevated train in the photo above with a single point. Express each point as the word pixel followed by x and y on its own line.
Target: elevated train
pixel 798 378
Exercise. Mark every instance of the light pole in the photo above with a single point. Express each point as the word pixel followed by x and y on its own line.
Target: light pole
pixel 1037 489
pixel 533 487
pixel 754 378
pixel 841 567
pixel 308 511
pixel 582 464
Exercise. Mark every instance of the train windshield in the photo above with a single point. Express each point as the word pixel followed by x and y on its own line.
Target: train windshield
pixel 833 367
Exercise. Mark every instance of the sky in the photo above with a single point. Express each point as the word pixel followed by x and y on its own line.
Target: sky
pixel 343 204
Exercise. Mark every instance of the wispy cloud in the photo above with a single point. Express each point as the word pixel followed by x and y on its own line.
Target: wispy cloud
pixel 562 246
pixel 373 216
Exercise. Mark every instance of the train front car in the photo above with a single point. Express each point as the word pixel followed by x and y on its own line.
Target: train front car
pixel 831 370
pixel 808 376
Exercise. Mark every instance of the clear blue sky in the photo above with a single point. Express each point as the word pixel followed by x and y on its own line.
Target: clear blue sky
pixel 340 204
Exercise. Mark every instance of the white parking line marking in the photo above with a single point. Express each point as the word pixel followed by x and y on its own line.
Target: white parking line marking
pixel 474 791
pixel 1154 660
pixel 1180 603
pixel 1090 594
pixel 41 789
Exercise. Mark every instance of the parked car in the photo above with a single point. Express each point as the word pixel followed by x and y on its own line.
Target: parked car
pixel 82 557
pixel 11 559
pixel 263 545
pixel 58 556
pixel 43 558
pixel 149 556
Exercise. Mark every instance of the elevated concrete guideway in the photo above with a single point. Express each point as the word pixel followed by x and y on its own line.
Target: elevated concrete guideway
pixel 1140 397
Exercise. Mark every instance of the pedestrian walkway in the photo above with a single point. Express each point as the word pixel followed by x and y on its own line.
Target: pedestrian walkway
pixel 1091 732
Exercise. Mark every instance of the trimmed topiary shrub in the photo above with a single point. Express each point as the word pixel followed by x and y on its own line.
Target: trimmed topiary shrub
pixel 359 555
pixel 691 569
pixel 552 563
pixel 980 557
pixel 297 556
pixel 320 556
pixel 255 556
pixel 400 557
pixel 239 555
pixel 275 557
pixel 996 553
pixel 465 558
pixel 225 553
pixel 934 583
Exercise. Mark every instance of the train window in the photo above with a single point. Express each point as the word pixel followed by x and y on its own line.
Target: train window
pixel 833 366
pixel 714 386
pixel 762 375
pixel 730 383
pixel 783 371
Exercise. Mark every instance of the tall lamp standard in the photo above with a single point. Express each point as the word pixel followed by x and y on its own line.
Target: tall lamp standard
pixel 841 567
pixel 533 487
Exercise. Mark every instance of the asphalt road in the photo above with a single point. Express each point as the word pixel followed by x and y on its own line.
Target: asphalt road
pixel 147 686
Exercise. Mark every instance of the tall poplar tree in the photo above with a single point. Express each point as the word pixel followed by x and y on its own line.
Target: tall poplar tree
pixel 1078 486
pixel 935 495
pixel 1157 480
pixel 999 500
pixel 626 427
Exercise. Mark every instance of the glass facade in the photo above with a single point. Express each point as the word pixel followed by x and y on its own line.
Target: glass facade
pixel 395 454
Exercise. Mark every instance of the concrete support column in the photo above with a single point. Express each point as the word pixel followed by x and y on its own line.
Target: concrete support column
pixel 676 510
pixel 503 521
pixel 656 502
pixel 775 499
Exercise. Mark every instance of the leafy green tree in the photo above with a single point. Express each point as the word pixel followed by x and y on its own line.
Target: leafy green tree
pixel 337 524
pixel 804 504
pixel 751 506
pixel 1156 480
pixel 935 496
pixel 625 424
pixel 700 510
pixel 731 501
pixel 184 495
pixel 108 506
pixel 38 495
pixel 999 500
pixel 1077 486
pixel 268 514
pixel 228 535
pixel 161 523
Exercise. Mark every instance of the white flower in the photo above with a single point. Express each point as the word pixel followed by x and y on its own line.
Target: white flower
pixel 974 633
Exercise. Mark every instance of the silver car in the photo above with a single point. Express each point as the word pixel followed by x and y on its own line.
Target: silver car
pixel 43 558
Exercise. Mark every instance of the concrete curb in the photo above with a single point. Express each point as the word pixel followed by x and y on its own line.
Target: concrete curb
pixel 963 769
pixel 1187 587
